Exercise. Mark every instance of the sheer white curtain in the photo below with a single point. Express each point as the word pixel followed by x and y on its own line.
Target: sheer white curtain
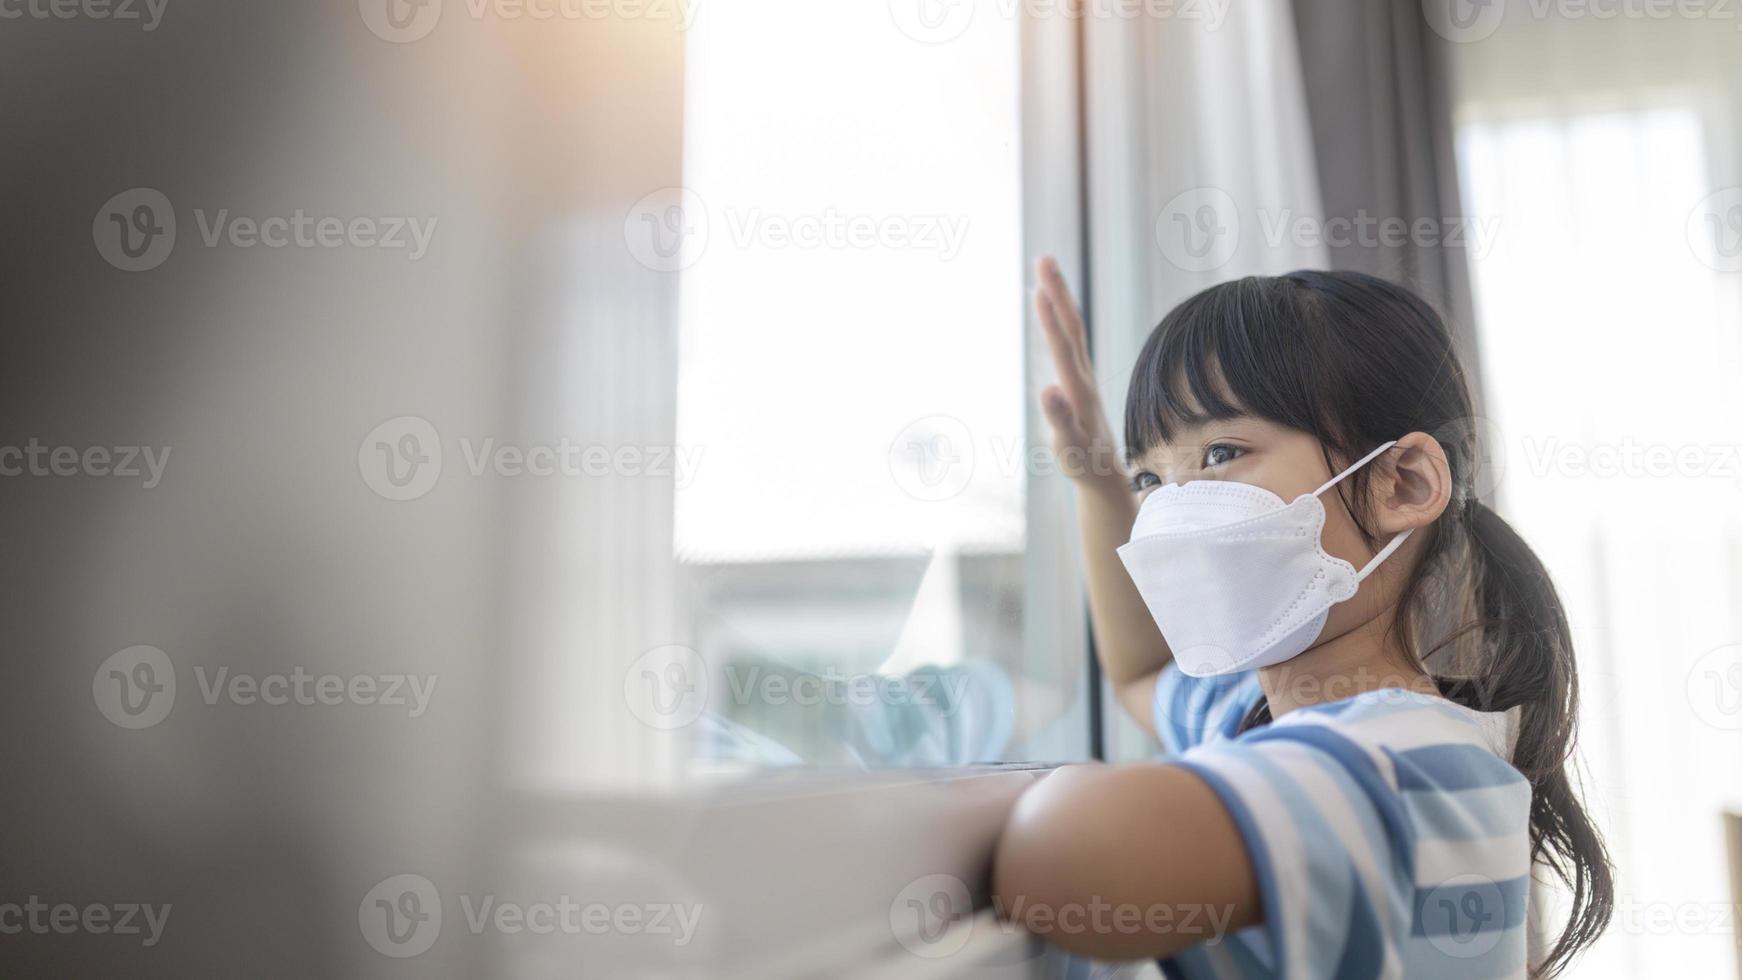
pixel 1199 152
pixel 1610 312
pixel 589 583
pixel 1199 147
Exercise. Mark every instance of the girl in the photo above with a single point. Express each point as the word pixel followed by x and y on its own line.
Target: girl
pixel 1362 676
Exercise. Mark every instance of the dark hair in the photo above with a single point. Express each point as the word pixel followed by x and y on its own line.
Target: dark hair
pixel 1356 361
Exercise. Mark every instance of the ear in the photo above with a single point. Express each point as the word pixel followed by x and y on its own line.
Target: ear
pixel 1413 486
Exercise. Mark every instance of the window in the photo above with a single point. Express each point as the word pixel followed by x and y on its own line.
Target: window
pixel 853 530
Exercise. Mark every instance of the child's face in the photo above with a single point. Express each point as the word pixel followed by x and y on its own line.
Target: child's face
pixel 1288 463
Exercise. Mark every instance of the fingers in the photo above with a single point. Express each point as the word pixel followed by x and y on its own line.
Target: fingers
pixel 1057 409
pixel 1064 355
pixel 1063 330
pixel 1060 415
pixel 1058 294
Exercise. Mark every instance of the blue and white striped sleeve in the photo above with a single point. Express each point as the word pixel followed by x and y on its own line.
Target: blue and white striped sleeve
pixel 1188 711
pixel 1388 838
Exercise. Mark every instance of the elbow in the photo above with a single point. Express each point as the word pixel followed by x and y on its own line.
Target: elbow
pixel 1120 863
pixel 1041 864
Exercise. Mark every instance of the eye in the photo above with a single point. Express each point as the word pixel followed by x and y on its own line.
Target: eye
pixel 1144 480
pixel 1221 453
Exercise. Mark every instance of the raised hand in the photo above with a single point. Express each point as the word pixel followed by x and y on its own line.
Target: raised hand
pixel 1082 440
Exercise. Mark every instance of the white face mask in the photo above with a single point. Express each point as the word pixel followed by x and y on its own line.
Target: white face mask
pixel 1236 578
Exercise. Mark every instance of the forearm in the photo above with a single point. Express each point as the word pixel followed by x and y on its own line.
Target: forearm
pixel 1131 649
pixel 1126 638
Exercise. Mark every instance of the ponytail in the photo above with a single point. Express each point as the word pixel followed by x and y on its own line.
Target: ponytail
pixel 1524 660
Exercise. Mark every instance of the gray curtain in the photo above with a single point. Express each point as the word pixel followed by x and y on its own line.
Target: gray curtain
pixel 1378 95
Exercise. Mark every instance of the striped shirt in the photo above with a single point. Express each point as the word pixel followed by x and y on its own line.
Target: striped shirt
pixel 1389 835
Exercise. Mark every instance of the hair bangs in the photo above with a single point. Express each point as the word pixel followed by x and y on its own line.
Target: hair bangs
pixel 1232 350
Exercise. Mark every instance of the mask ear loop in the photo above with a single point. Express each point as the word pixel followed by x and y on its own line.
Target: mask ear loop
pixel 1397 541
pixel 1363 461
pixel 1383 554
